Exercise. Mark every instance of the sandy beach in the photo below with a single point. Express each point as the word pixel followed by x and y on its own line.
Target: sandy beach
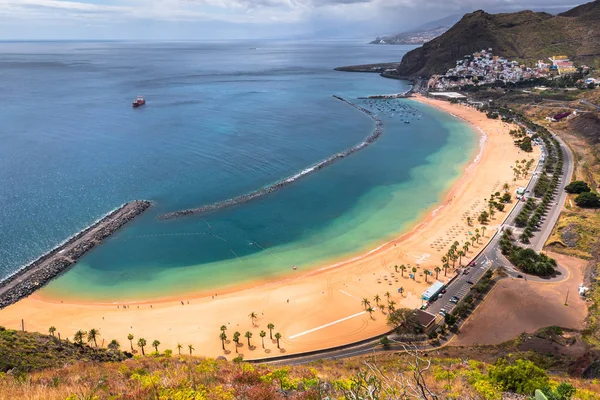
pixel 315 310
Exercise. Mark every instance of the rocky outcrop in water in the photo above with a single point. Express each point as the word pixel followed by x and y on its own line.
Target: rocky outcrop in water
pixel 287 181
pixel 35 275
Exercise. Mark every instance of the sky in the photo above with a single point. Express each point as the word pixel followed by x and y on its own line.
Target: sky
pixel 235 19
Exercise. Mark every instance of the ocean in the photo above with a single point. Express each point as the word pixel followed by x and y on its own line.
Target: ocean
pixel 221 119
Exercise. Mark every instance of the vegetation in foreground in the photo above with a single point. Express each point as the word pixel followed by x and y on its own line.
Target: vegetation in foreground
pixel 408 374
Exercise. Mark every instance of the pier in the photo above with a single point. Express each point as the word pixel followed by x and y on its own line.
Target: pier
pixel 287 181
pixel 36 274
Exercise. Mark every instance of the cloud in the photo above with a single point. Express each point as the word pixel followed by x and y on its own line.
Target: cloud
pixel 281 15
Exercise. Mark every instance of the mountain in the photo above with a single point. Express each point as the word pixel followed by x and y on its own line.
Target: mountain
pixel 523 35
pixel 421 34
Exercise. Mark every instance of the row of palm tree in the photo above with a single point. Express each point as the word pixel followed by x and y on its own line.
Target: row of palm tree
pixel 248 335
pixel 390 306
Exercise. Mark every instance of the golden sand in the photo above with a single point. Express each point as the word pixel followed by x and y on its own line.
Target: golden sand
pixel 319 309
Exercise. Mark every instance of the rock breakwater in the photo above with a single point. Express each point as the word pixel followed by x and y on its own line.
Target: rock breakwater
pixel 287 181
pixel 36 274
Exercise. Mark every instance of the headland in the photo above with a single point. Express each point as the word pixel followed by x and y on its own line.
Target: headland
pixel 321 308
pixel 36 274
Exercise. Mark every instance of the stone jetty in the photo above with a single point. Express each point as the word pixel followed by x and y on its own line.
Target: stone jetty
pixel 35 275
pixel 287 181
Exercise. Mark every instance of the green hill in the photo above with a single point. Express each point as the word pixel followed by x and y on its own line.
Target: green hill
pixel 524 35
pixel 25 351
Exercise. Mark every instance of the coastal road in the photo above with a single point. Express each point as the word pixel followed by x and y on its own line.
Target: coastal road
pixel 489 257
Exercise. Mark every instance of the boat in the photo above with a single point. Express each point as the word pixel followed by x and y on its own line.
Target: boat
pixel 139 102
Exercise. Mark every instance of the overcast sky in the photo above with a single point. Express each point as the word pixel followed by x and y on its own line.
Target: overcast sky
pixel 227 19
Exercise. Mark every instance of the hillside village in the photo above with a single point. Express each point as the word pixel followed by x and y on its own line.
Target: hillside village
pixel 485 68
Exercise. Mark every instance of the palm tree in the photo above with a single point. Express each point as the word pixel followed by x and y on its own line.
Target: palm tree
pixel 402 269
pixel 446 266
pixel 130 338
pixel 387 295
pixel 483 230
pixel 437 272
pixel 278 336
pixel 223 328
pixel 79 336
pixel 155 344
pixel 270 327
pixel 191 348
pixel 248 335
pixel 114 345
pixel 179 346
pixel 92 335
pixel 396 268
pixel 426 272
pixel 466 247
pixel 51 330
pixel 223 337
pixel 370 310
pixel 262 335
pixel 414 271
pixel 141 343
pixel 477 237
pixel 454 257
pixel 391 305
pixel 377 299
pixel 236 340
pixel 365 302
pixel 473 239
pixel 252 316
pixel 460 254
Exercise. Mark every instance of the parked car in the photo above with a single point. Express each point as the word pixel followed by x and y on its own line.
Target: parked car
pixel 454 300
pixel 470 282
pixel 466 272
pixel 443 312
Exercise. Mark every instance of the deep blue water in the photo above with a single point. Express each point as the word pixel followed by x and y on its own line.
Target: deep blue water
pixel 221 119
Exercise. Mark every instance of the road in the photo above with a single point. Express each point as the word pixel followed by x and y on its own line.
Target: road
pixel 489 257
pixel 590 104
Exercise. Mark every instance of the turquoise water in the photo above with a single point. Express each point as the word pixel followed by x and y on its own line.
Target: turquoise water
pixel 222 119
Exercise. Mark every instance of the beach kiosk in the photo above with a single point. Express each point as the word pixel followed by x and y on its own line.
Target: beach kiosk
pixel 433 291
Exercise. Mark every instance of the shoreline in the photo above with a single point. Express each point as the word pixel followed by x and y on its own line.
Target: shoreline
pixel 419 222
pixel 320 308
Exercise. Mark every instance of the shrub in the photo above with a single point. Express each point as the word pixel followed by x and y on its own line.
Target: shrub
pixel 577 187
pixel 522 376
pixel 588 200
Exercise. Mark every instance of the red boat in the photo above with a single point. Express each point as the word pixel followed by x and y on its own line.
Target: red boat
pixel 139 102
